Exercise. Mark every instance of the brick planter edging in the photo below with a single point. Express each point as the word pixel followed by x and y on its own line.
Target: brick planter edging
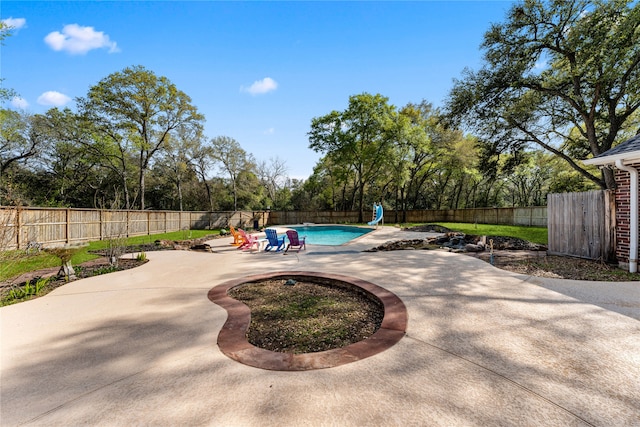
pixel 232 339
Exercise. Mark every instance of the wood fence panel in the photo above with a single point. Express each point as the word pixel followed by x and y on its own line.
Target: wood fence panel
pixel 156 222
pixel 84 225
pixel 9 232
pixel 582 225
pixel 532 216
pixel 43 225
pixel 138 223
pixel 198 220
pixel 114 224
pixel 58 226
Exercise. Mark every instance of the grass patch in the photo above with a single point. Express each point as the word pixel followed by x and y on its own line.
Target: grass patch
pixel 531 234
pixel 18 262
pixel 15 263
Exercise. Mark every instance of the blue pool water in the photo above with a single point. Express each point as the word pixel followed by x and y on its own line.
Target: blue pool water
pixel 330 234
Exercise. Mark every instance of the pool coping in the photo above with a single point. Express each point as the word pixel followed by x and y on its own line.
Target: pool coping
pixel 232 339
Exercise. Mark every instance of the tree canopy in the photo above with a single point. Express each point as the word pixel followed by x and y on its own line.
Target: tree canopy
pixel 559 83
pixel 562 75
pixel 135 108
pixel 359 137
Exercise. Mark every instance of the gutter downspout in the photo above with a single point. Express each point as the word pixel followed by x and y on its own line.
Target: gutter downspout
pixel 633 220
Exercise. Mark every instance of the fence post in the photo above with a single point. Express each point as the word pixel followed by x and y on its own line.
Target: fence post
pixel 67 226
pixel 18 232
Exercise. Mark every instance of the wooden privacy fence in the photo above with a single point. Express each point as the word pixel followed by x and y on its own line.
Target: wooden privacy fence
pixel 59 226
pixel 531 216
pixel 582 224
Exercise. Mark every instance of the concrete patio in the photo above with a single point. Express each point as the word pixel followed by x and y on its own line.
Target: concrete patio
pixel 484 347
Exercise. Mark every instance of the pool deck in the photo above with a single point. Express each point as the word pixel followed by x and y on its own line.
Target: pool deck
pixel 483 347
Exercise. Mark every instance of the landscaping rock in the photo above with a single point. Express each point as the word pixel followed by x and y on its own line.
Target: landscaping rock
pixel 470 247
pixel 460 242
pixel 202 247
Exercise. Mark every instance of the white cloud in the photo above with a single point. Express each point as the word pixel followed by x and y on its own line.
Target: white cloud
pixel 79 40
pixel 53 98
pixel 260 86
pixel 14 23
pixel 20 103
pixel 269 131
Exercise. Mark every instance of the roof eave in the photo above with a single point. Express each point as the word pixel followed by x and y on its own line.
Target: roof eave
pixel 629 157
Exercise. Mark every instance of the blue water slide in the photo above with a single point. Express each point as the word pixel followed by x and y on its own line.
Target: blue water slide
pixel 378 218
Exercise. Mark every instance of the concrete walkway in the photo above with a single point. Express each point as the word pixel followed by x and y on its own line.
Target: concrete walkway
pixel 483 347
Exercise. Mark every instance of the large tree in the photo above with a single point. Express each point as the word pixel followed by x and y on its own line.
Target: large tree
pixel 136 107
pixel 564 75
pixel 202 161
pixel 68 162
pixel 233 160
pixel 5 93
pixel 360 137
pixel 273 177
pixel 20 138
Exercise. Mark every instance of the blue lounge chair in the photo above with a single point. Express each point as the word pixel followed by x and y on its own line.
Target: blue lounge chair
pixel 273 240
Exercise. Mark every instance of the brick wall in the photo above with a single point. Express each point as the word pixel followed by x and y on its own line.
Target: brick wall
pixel 623 215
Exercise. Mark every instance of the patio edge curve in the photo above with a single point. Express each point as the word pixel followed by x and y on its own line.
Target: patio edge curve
pixel 233 343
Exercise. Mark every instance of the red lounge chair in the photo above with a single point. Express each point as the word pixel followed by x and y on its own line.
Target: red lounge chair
pixel 248 240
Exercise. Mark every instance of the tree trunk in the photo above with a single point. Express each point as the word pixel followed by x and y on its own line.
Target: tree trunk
pixel 609 178
pixel 127 201
pixel 208 189
pixel 141 182
pixel 361 202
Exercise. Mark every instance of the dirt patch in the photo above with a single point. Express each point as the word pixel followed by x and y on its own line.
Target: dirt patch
pixel 513 254
pixel 299 317
pixel 557 267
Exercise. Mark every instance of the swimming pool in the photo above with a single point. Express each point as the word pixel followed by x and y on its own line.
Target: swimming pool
pixel 330 235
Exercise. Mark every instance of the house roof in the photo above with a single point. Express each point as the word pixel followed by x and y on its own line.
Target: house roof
pixel 628 150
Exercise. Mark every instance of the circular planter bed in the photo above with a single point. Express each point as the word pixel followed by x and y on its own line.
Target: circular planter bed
pixel 234 342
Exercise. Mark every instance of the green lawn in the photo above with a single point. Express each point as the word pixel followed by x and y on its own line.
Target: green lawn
pixel 14 263
pixel 532 234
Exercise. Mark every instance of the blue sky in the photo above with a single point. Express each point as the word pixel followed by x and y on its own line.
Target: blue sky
pixel 258 71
